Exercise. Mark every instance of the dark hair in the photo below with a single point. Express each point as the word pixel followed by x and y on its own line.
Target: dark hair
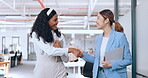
pixel 41 26
pixel 109 14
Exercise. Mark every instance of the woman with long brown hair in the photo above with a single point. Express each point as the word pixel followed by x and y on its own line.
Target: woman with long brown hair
pixel 109 40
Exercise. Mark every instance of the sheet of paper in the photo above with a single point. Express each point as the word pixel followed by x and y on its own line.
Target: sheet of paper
pixel 114 55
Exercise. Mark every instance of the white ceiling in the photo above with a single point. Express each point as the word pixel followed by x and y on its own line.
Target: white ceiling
pixel 73 14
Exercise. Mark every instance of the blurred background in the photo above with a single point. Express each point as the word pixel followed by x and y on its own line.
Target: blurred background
pixel 77 23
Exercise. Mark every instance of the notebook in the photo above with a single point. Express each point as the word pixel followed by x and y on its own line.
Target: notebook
pixel 115 54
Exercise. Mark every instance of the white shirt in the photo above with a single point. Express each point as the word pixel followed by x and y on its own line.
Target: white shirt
pixel 48 49
pixel 48 63
pixel 102 49
pixel 64 58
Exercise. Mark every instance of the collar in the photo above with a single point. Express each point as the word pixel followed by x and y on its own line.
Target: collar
pixel 111 33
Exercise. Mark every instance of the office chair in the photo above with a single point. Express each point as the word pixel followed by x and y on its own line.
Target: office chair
pixel 19 59
pixel 13 60
pixel 87 70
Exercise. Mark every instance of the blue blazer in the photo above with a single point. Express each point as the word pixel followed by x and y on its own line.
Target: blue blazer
pixel 118 70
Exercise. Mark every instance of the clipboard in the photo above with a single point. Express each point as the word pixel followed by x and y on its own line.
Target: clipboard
pixel 115 55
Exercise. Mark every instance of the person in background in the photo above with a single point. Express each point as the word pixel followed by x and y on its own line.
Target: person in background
pixel 110 39
pixel 48 46
pixel 91 52
pixel 88 66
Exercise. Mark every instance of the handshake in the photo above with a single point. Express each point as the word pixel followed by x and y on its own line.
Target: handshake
pixel 75 51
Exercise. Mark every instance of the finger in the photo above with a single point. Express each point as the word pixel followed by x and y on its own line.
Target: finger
pixel 76 54
pixel 57 41
pixel 81 50
pixel 103 62
pixel 104 58
pixel 81 54
pixel 103 66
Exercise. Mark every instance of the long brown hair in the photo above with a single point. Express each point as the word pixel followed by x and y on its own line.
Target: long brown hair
pixel 109 14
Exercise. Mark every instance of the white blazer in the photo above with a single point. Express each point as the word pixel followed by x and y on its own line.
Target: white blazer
pixel 49 62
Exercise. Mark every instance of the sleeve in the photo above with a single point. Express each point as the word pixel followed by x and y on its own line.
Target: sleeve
pixel 48 49
pixel 87 57
pixel 127 59
pixel 64 58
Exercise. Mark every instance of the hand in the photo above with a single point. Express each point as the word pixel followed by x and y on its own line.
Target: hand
pixel 76 52
pixel 57 44
pixel 81 53
pixel 106 64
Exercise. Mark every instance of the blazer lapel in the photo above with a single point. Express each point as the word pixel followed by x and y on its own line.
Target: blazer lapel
pixel 111 40
pixel 97 54
pixel 98 45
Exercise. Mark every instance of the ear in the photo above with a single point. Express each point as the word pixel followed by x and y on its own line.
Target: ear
pixel 106 20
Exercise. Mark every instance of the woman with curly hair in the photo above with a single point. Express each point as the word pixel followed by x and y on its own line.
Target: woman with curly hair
pixel 48 46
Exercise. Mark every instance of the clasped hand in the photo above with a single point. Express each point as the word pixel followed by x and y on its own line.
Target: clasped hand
pixel 78 52
pixel 106 64
pixel 75 51
pixel 57 44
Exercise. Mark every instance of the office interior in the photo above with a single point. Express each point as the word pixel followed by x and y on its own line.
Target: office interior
pixel 77 21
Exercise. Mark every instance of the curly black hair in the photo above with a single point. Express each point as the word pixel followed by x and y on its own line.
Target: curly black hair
pixel 42 28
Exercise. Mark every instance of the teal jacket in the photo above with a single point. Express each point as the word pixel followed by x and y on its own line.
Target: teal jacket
pixel 116 40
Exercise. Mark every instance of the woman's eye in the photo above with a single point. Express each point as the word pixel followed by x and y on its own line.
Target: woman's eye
pixel 55 19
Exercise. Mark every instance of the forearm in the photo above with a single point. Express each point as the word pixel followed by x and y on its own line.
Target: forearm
pixel 88 57
pixel 121 64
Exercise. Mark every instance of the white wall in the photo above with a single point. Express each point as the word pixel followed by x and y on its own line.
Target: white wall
pixel 81 41
pixel 19 33
pixel 142 38
pixel 125 21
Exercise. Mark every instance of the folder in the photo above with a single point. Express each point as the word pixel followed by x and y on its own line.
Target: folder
pixel 115 54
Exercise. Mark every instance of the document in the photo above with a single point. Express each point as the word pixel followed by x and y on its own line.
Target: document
pixel 115 55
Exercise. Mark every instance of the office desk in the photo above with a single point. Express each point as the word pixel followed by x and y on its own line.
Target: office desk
pixel 12 58
pixel 78 64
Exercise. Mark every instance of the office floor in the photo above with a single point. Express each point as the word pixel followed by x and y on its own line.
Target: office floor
pixel 26 70
pixel 22 71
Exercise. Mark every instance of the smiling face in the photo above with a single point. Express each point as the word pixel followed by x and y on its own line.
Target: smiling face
pixel 100 21
pixel 53 22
